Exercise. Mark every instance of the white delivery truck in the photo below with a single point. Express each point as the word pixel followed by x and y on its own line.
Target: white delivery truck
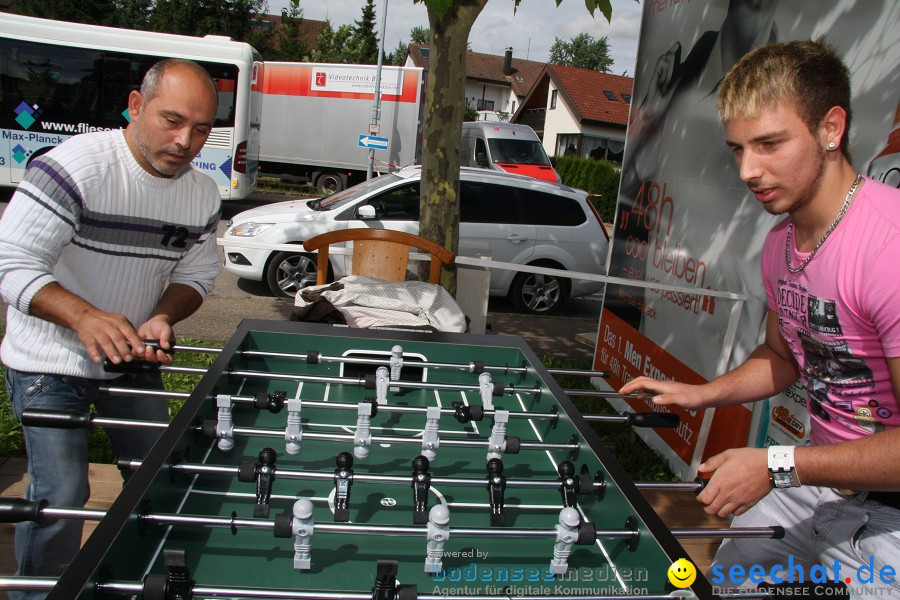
pixel 505 147
pixel 317 124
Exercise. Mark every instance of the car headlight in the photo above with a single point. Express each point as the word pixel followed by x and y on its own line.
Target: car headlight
pixel 249 229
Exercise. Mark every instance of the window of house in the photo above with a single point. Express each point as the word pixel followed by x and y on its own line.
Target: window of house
pixel 553 96
pixel 485 104
pixel 610 96
pixel 588 146
pixel 600 148
pixel 567 144
pixel 627 98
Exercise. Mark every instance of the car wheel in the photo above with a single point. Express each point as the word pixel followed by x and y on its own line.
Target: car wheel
pixel 538 294
pixel 329 183
pixel 289 271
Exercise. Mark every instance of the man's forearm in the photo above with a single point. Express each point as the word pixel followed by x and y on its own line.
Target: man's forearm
pixel 178 302
pixel 840 465
pixel 764 374
pixel 56 304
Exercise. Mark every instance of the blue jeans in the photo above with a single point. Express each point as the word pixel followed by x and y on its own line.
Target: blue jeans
pixel 822 529
pixel 58 458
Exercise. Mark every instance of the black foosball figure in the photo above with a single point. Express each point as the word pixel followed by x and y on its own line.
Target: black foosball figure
pixel 568 483
pixel 263 473
pixel 496 487
pixel 421 483
pixel 343 480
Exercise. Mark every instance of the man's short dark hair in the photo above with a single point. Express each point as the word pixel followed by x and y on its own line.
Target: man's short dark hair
pixel 150 83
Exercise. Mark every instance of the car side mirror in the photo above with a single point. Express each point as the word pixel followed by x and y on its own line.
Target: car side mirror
pixel 366 211
pixel 481 159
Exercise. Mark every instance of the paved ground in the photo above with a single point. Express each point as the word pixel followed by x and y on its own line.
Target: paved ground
pixel 234 300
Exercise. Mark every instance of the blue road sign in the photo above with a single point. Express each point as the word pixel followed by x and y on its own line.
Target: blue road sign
pixel 370 141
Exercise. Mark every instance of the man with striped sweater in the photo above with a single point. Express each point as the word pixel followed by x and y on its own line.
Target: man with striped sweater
pixel 109 240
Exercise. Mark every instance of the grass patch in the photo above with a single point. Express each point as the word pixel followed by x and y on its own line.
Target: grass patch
pixel 273 185
pixel 640 461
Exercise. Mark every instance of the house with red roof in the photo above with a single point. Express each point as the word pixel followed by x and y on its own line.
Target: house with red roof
pixel 578 111
pixel 495 84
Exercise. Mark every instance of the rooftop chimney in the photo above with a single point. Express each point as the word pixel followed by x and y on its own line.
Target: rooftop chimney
pixel 507 62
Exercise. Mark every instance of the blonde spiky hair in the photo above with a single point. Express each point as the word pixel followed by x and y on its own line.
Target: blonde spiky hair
pixel 806 74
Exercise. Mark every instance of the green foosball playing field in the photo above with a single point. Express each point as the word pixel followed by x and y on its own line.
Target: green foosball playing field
pixel 315 462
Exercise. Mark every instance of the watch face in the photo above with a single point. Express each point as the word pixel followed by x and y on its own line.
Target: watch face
pixel 782 479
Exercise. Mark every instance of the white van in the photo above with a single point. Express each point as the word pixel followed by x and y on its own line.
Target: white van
pixel 505 147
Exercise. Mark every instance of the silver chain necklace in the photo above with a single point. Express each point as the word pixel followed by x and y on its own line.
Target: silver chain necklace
pixel 840 215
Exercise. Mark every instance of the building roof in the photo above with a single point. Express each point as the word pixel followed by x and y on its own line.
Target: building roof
pixel 309 28
pixel 489 68
pixel 594 96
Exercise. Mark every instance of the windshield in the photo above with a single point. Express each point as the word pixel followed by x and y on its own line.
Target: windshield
pixel 517 152
pixel 339 199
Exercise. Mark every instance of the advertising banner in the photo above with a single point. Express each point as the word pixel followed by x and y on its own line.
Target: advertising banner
pixel 685 219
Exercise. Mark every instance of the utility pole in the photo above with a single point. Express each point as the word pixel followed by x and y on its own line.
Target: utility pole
pixel 376 101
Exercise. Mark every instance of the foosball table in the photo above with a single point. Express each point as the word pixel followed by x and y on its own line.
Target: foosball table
pixel 321 462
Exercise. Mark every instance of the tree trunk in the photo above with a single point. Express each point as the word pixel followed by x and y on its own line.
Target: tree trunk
pixel 442 129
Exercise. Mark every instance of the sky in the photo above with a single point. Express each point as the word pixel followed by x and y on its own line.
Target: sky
pixel 530 31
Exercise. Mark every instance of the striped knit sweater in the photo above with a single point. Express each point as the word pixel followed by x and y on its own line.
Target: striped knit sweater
pixel 87 216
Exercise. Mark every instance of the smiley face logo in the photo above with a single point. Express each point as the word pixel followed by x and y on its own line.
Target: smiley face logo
pixel 682 573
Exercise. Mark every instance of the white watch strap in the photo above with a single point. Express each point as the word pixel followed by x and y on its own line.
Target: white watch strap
pixel 781 458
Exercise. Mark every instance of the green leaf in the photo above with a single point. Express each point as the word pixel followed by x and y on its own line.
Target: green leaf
pixel 605 7
pixel 439 7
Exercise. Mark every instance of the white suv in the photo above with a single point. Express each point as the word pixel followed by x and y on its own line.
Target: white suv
pixel 508 218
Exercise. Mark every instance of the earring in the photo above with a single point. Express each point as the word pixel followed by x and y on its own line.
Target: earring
pixel 831 145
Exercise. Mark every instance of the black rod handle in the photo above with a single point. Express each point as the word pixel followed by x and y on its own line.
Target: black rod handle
pixel 60 419
pixel 651 419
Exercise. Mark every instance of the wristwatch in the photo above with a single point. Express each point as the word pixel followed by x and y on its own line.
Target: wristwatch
pixel 782 471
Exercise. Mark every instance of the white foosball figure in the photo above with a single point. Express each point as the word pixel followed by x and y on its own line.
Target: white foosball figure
pixel 396 364
pixel 224 424
pixel 363 438
pixel 486 388
pixel 566 536
pixel 302 527
pixel 431 436
pixel 497 441
pixel 438 534
pixel 293 432
pixel 382 383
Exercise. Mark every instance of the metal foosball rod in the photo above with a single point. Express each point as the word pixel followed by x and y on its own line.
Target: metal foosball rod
pixel 299 526
pixel 314 357
pixel 74 420
pixel 38 418
pixel 589 485
pixel 364 382
pixel 16 510
pixel 367 381
pixel 474 412
pixel 649 419
pixel 257 402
